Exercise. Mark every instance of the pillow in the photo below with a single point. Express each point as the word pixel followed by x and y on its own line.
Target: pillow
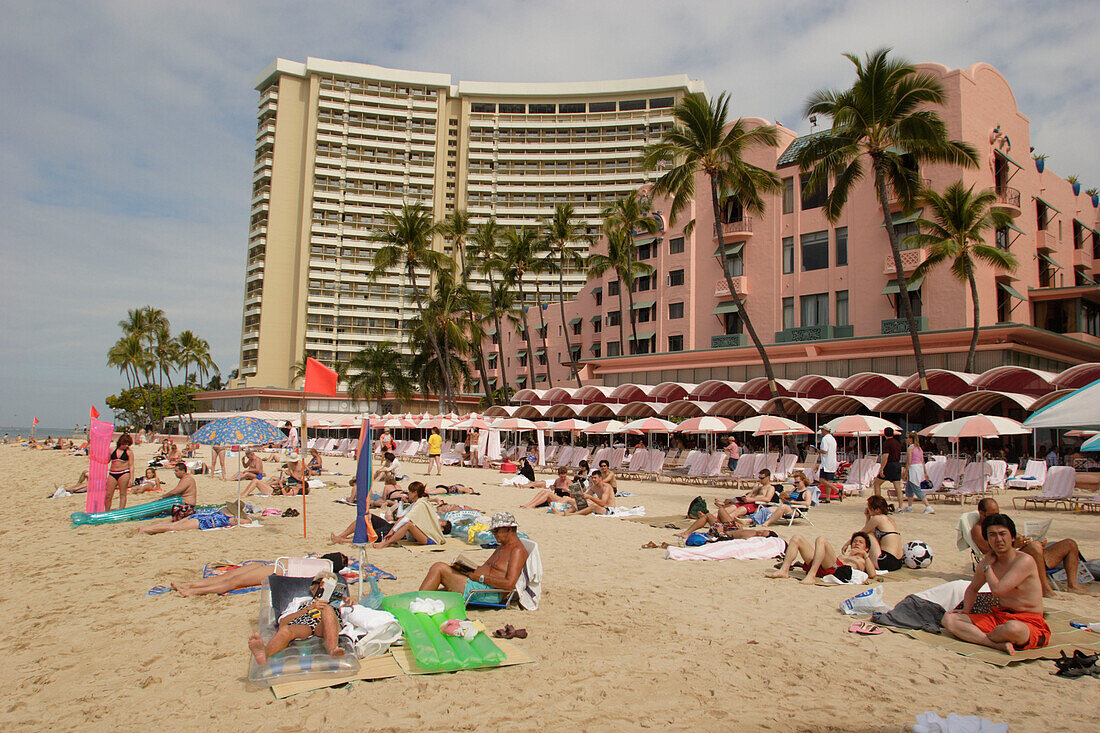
pixel 284 589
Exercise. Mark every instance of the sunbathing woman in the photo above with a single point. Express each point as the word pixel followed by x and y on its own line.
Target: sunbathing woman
pixel 886 545
pixel 149 483
pixel 314 467
pixel 306 617
pixel 442 489
pixel 119 471
pixel 819 559
pixel 245 576
pixel 80 487
pixel 289 485
pixel 558 491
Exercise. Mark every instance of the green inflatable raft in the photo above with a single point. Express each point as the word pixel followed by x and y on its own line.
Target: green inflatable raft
pixel 432 649
pixel 138 511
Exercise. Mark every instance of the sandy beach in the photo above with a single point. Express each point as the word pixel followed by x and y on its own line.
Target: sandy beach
pixel 624 639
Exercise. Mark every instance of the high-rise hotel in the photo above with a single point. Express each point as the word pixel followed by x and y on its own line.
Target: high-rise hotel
pixel 338 145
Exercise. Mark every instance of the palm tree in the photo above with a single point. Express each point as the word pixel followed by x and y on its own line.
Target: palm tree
pixel 701 142
pixel 619 259
pixel 487 256
pixel 562 229
pixel 955 233
pixel 298 369
pixel 129 356
pixel 633 214
pixel 502 300
pixel 458 226
pixel 380 368
pixel 444 315
pixel 167 353
pixel 545 264
pixel 407 242
pixel 522 248
pixel 476 307
pixel 885 119
pixel 194 350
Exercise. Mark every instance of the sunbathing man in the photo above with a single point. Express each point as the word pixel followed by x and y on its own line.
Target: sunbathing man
pixel 598 498
pixel 1047 556
pixel 500 571
pixel 305 617
pixel 608 476
pixel 1013 577
pixel 186 489
pixel 819 559
pixel 245 576
pixel 763 493
pixel 253 467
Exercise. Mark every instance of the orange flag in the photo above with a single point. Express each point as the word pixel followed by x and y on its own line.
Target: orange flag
pixel 93 413
pixel 319 378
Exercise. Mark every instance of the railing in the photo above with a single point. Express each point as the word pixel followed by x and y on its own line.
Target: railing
pixel 734 228
pixel 722 288
pixel 1008 196
pixel 813 333
pixel 910 258
pixel 900 325
pixel 727 341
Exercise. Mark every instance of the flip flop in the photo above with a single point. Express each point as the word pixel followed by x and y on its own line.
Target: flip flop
pixel 651 545
pixel 859 627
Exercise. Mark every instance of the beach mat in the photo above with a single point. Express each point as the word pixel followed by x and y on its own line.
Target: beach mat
pixel 1064 638
pixel 513 656
pixel 376 668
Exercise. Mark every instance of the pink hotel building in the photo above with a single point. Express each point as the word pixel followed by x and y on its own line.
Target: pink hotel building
pixel 823 296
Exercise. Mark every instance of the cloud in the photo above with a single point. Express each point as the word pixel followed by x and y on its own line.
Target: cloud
pixel 126 135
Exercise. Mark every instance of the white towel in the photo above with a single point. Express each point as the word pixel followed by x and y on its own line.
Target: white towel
pixel 430 606
pixel 623 511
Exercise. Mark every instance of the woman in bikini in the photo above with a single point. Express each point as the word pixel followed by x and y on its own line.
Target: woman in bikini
pixel 886 546
pixel 149 483
pixel 819 559
pixel 314 467
pixel 119 471
pixel 557 492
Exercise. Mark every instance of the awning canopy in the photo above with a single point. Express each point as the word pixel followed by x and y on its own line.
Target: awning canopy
pixel 1085 276
pixel 729 249
pixel 1010 290
pixel 728 306
pixel 1014 228
pixel 1000 153
pixel 893 288
pixel 1049 259
pixel 644 304
pixel 903 218
pixel 642 336
pixel 595 318
pixel 540 352
pixel 598 290
pixel 491 332
pixel 574 321
pixel 1046 204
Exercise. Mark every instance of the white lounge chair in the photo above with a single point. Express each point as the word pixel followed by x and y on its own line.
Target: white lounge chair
pixel 1033 476
pixel 1058 489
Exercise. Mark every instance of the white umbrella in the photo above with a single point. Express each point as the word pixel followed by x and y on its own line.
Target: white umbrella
pixel 1080 409
pixel 860 425
pixel 571 425
pixel 608 427
pixel 473 423
pixel 650 425
pixel 514 424
pixel 975 426
pixel 770 425
pixel 706 424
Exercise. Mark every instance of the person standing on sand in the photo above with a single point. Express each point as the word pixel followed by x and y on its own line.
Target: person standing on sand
pixel 733 453
pixel 1013 578
pixel 826 447
pixel 119 471
pixel 435 452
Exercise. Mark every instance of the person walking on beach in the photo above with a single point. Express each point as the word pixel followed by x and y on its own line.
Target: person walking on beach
pixel 435 452
pixel 119 471
pixel 733 453
pixel 826 447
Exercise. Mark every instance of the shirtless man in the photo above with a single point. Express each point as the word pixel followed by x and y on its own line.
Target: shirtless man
pixel 608 476
pixel 1047 557
pixel 500 571
pixel 253 468
pixel 1013 577
pixel 598 497
pixel 186 489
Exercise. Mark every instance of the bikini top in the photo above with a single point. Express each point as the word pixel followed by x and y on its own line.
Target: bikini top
pixel 124 457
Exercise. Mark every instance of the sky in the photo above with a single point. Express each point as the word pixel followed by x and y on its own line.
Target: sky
pixel 127 128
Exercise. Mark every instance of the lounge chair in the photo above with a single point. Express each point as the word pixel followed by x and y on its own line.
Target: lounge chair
pixel 809 466
pixel 1087 503
pixel 995 476
pixel 860 476
pixel 636 467
pixel 1058 489
pixel 1033 476
pixel 684 468
pixel 712 472
pixel 786 465
pixel 656 463
pixel 528 590
pixel 616 459
pixel 972 484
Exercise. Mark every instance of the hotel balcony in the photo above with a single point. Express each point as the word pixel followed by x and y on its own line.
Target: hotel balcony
pixel 1044 239
pixel 895 200
pixel 728 341
pixel 1083 258
pixel 899 325
pixel 722 288
pixel 1008 200
pixel 910 258
pixel 813 333
pixel 737 231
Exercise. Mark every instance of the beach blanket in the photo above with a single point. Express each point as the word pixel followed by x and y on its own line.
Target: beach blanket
pixel 1064 638
pixel 622 512
pixel 754 548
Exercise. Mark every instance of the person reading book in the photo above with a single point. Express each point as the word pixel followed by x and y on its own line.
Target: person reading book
pixel 499 572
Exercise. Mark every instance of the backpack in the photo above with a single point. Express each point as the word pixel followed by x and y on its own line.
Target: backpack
pixel 697 507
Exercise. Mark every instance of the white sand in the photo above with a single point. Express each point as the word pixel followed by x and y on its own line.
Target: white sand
pixel 624 639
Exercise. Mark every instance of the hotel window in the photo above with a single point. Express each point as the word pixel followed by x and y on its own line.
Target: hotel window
pixel 574 354
pixel 1078 234
pixel 815 310
pixel 660 103
pixel 788 255
pixel 675 310
pixel 596 350
pixel 1001 238
pixel 569 109
pixel 735 265
pixel 842 308
pixel 1041 214
pixel 631 104
pixel 613 287
pixel 613 348
pixel 841 246
pixel 645 251
pixel 601 107
pixel 812 199
pixel 788 195
pixel 577 328
pixel 614 318
pixel 513 109
pixel 645 315
pixel 676 245
pixel 815 251
pixel 597 325
pixel 542 109
pixel 788 313
pixel 676 343
pixel 599 297
pixel 675 277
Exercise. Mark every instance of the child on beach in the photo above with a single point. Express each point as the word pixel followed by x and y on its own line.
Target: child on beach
pixel 307 616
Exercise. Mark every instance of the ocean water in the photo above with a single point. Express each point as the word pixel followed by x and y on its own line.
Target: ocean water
pixel 39 431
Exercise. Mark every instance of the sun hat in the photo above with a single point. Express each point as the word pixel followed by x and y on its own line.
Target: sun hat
pixel 502 519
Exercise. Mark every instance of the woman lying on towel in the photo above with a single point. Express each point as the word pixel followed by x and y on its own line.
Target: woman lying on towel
pixel 312 615
pixel 149 483
pixel 220 518
pixel 246 576
pixel 80 487
pixel 819 559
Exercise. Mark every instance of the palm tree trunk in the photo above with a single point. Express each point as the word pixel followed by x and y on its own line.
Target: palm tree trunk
pixel 630 301
pixel 542 332
pixel 622 320
pixel 503 381
pixel 144 397
pixel 899 272
pixel 561 306
pixel 175 399
pixel 443 371
pixel 483 371
pixel 769 372
pixel 526 335
pixel 977 323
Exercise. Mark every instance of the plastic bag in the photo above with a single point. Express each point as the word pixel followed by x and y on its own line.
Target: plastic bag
pixel 866 602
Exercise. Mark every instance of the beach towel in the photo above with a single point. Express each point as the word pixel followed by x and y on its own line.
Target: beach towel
pixel 954 723
pixel 623 511
pixel 529 583
pixel 754 548
pixel 422 514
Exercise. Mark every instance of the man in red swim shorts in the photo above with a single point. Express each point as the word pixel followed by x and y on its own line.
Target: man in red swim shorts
pixel 1013 577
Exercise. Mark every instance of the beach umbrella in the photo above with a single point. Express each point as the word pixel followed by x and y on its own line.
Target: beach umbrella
pixel 514 424
pixel 770 425
pixel 394 423
pixel 1080 409
pixel 609 427
pixel 1091 445
pixel 238 431
pixel 440 421
pixel 471 423
pixel 706 424
pixel 975 426
pixel 1081 433
pixel 650 425
pixel 571 425
pixel 544 424
pixel 860 425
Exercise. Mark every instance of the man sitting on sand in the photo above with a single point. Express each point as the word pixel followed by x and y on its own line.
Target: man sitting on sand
pixel 307 616
pixel 246 576
pixel 819 559
pixel 1047 557
pixel 596 499
pixel 1013 577
pixel 186 489
pixel 500 571
pixel 253 467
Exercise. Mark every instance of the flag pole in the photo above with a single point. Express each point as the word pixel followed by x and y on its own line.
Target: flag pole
pixel 302 459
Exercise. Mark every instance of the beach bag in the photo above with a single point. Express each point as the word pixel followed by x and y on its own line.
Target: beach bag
pixel 695 539
pixel 697 507
pixel 926 486
pixel 866 602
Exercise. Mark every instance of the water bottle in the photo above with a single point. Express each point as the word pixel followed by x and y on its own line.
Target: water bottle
pixel 374 598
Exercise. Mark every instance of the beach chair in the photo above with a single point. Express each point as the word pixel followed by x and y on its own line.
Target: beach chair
pixel 580 454
pixel 744 469
pixel 972 484
pixel 527 591
pixel 302 567
pixel 953 472
pixel 1033 476
pixel 810 466
pixel 451 457
pixel 712 470
pixel 1057 489
pixel 1087 503
pixel 860 476
pixel 656 463
pixel 683 468
pixel 995 475
pixel 799 511
pixel 639 461
pixel 695 469
pixel 785 466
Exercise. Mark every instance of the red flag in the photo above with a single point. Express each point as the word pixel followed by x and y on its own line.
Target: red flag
pixel 319 378
pixel 93 413
pixel 34 421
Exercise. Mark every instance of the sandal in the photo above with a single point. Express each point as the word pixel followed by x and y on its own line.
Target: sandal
pixel 860 627
pixel 651 545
